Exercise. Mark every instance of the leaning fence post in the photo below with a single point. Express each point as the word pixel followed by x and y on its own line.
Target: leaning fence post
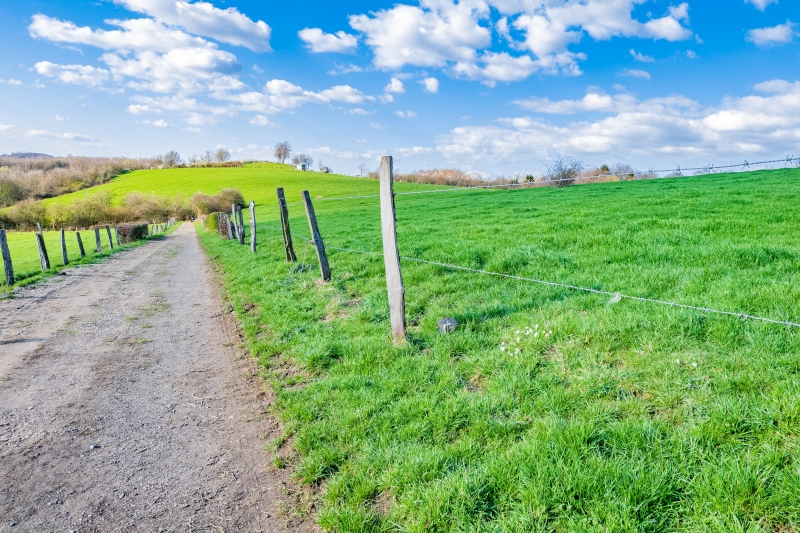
pixel 287 234
pixel 235 226
pixel 64 256
pixel 7 266
pixel 43 258
pixel 116 234
pixel 316 238
pixel 97 240
pixel 230 229
pixel 39 227
pixel 110 242
pixel 80 244
pixel 252 226
pixel 391 257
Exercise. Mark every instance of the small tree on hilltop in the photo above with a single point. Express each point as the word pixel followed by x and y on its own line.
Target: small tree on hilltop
pixel 222 155
pixel 283 151
pixel 171 159
pixel 564 171
pixel 303 159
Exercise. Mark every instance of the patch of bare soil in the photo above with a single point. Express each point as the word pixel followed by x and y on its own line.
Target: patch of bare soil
pixel 124 405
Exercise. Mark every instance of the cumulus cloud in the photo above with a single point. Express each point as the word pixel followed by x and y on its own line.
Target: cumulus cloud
pixel 673 127
pixel 161 123
pixel 11 82
pixel 318 41
pixel 634 73
pixel 359 111
pixel 780 34
pixel 395 86
pixel 75 74
pixel 64 136
pixel 405 114
pixel 260 120
pixel 6 127
pixel 202 18
pixel 591 102
pixel 281 95
pixel 457 36
pixel 638 56
pixel 431 85
pixel 761 4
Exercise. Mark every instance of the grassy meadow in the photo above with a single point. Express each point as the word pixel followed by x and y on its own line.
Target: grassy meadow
pixel 549 409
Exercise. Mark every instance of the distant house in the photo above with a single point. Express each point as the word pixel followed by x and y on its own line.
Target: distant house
pixel 302 166
pixel 325 170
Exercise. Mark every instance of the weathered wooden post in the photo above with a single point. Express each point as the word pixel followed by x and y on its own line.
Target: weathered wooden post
pixel 43 258
pixel 230 229
pixel 110 242
pixel 39 227
pixel 80 244
pixel 98 242
pixel 252 226
pixel 235 220
pixel 116 235
pixel 287 234
pixel 64 256
pixel 240 224
pixel 391 256
pixel 316 238
pixel 6 253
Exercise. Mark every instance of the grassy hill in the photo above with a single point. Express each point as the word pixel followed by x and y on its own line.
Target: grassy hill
pixel 549 409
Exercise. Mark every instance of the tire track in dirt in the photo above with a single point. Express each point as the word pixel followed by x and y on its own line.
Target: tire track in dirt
pixel 124 406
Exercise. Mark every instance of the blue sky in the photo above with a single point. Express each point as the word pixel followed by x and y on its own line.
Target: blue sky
pixel 492 86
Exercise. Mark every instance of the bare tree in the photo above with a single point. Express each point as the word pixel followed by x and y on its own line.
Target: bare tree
pixel 564 171
pixel 171 159
pixel 362 168
pixel 283 151
pixel 208 156
pixel 192 160
pixel 303 159
pixel 222 155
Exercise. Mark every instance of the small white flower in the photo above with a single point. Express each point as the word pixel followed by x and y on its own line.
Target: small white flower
pixel 517 351
pixel 694 365
pixel 535 334
pixel 502 348
pixel 517 339
pixel 517 332
pixel 550 332
pixel 546 334
pixel 678 361
pixel 536 326
pixel 527 333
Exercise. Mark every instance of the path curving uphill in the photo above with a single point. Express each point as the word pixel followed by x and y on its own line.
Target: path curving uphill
pixel 124 406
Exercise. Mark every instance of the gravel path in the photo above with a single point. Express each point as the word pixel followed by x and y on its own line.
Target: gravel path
pixel 124 406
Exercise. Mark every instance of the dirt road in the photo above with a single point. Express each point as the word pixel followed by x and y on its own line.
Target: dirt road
pixel 124 407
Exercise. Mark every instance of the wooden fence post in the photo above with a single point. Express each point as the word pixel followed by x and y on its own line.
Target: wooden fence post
pixel 110 242
pixel 252 226
pixel 80 244
pixel 230 229
pixel 240 224
pixel 391 257
pixel 43 258
pixel 7 266
pixel 39 227
pixel 316 238
pixel 97 240
pixel 64 256
pixel 287 234
pixel 235 227
pixel 116 234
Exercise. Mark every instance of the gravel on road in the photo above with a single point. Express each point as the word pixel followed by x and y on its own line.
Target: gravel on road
pixel 126 403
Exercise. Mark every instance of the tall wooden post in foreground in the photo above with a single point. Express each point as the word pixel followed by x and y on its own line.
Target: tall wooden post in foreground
pixel 391 257
pixel 98 242
pixel 7 266
pixel 43 258
pixel 64 256
pixel 316 238
pixel 287 234
pixel 252 226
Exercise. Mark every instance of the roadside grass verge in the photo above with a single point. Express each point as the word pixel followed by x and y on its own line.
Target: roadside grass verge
pixel 25 253
pixel 594 416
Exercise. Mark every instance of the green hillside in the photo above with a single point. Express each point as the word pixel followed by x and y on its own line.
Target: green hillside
pixel 549 409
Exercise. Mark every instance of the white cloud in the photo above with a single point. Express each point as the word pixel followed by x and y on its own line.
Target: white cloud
pixel 674 127
pixel 140 109
pixel 691 54
pixel 64 136
pixel 395 86
pixel 193 130
pixel 60 118
pixel 377 126
pixel 359 111
pixel 11 82
pixel 75 74
pixel 431 85
pixel 780 34
pixel 202 18
pixel 405 114
pixel 761 4
pixel 344 69
pixel 634 73
pixel 261 120
pixel 6 127
pixel 319 42
pixel 591 102
pixel 161 123
pixel 638 56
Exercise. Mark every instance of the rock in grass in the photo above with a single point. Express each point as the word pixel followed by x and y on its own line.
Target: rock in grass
pixel 447 325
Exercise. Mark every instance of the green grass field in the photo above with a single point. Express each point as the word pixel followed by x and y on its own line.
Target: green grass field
pixel 549 409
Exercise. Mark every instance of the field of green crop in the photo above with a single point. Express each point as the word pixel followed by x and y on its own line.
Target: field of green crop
pixel 549 409
pixel 256 182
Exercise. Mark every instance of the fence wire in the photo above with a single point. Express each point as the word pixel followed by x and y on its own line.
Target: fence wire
pixel 615 296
